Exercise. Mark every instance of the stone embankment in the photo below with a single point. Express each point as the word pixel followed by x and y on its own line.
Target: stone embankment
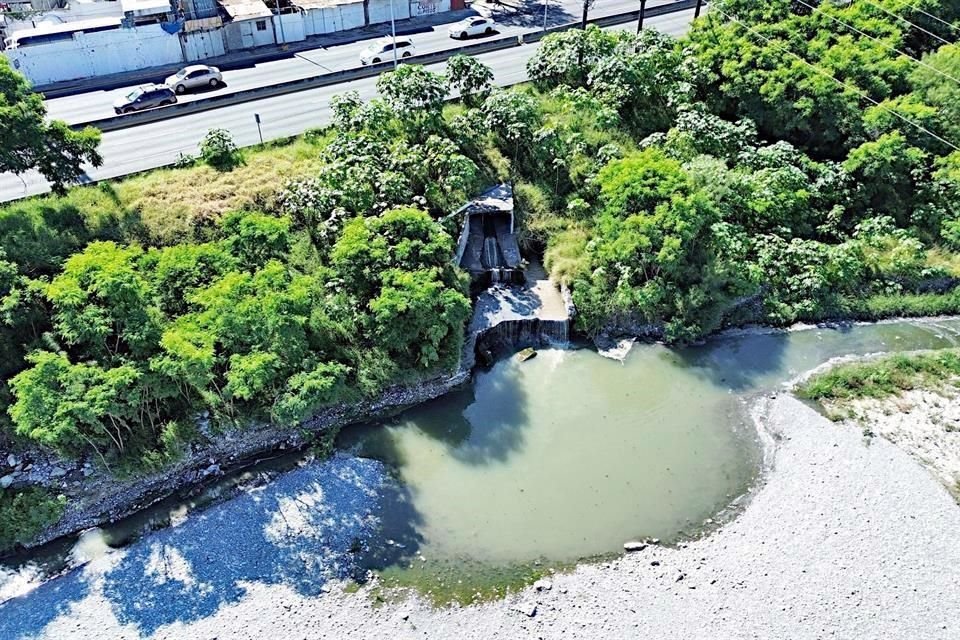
pixel 96 497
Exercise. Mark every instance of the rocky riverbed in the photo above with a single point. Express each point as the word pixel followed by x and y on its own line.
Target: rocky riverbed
pixel 847 538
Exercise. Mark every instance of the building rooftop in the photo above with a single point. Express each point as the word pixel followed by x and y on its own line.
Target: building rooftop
pixel 245 9
pixel 320 4
pixel 47 28
pixel 145 7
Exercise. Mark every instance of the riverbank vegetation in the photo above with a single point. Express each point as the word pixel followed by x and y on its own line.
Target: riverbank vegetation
pixel 883 377
pixel 26 513
pixel 782 162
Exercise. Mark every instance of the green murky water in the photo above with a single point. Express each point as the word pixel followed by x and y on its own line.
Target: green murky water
pixel 570 454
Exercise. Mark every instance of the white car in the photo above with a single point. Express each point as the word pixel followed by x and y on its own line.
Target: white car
pixel 382 50
pixel 478 26
pixel 196 76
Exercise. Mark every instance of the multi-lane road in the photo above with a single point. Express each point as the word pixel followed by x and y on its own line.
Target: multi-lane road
pixel 155 144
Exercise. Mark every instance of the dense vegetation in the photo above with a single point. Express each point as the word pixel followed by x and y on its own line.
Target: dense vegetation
pixel 884 377
pixel 786 164
pixel 24 514
pixel 782 162
pixel 336 286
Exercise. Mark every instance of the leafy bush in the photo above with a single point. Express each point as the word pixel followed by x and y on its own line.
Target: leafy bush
pixel 25 513
pixel 219 150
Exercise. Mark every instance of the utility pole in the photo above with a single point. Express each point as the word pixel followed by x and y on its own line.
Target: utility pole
pixel 696 13
pixel 587 5
pixel 393 30
pixel 280 20
pixel 546 3
pixel 643 9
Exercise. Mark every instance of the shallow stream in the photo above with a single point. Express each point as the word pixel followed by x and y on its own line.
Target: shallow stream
pixel 539 464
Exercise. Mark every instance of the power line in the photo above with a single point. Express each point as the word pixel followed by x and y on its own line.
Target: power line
pixel 904 20
pixel 881 42
pixel 840 82
pixel 937 18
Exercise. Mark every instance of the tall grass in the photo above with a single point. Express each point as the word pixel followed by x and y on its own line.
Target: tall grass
pixel 883 377
pixel 167 206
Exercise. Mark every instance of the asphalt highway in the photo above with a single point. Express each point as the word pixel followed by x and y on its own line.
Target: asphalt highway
pixel 157 144
pixel 342 53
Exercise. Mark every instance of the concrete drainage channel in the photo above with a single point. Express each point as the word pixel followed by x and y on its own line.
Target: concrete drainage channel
pixel 215 102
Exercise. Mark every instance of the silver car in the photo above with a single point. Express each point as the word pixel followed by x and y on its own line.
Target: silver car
pixel 145 96
pixel 197 76
pixel 382 50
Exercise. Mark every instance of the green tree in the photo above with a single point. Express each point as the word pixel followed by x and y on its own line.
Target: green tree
pixel 309 390
pixel 945 197
pixel 419 318
pixel 255 238
pixel 568 57
pixel 796 73
pixel 220 151
pixel 30 141
pixel 69 407
pixel 935 84
pixel 512 116
pixel 249 333
pixel 103 305
pixel 472 79
pixel 406 239
pixel 887 172
pixel 414 94
pixel 179 271
pixel 640 182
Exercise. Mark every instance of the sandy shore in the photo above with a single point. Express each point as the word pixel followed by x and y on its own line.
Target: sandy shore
pixel 848 538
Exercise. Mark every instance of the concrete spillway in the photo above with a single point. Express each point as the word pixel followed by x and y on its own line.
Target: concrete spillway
pixel 517 306
pixel 488 247
pixel 507 317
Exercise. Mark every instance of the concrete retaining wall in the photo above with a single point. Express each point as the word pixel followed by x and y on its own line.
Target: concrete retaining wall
pixel 96 54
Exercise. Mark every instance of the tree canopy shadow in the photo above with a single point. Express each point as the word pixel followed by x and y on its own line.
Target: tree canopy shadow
pixel 479 426
pixel 529 13
pixel 740 363
pixel 27 615
pixel 312 525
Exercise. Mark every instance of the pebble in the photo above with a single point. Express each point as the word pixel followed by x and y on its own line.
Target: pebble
pixel 543 585
pixel 634 546
pixel 6 481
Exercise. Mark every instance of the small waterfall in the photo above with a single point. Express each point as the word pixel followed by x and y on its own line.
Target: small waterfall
pixel 492 256
pixel 512 335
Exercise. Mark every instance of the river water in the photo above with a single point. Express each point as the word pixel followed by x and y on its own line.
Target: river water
pixel 540 463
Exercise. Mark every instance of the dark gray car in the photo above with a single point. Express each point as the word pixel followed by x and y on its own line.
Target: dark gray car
pixel 145 97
